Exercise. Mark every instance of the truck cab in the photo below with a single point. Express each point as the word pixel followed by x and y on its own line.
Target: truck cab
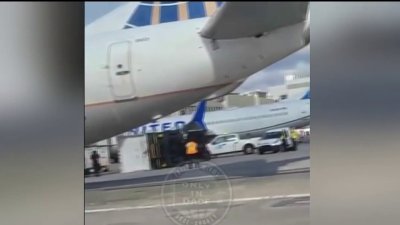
pixel 230 143
pixel 277 140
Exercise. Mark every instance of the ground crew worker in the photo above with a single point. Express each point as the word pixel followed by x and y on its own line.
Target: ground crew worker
pixel 192 153
pixel 283 138
pixel 295 135
pixel 95 162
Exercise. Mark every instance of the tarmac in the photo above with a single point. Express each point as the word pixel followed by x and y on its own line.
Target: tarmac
pixel 255 189
pixel 234 166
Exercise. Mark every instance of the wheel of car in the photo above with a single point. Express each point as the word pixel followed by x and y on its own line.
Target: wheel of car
pixel 260 151
pixel 281 148
pixel 248 149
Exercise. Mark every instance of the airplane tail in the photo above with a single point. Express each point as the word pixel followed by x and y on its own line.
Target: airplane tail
pixel 306 96
pixel 197 122
pixel 199 114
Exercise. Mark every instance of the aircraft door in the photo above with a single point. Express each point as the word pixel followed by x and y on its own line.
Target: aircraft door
pixel 120 71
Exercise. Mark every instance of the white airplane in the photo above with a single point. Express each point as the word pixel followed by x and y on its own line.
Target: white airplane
pixel 250 121
pixel 171 55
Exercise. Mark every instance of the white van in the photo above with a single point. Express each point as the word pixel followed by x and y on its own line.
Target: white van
pixel 272 141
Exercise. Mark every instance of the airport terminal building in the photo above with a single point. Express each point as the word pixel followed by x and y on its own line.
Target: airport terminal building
pixel 229 101
pixel 295 85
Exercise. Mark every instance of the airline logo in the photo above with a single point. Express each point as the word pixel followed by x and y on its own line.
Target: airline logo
pixel 150 13
pixel 173 125
pixel 157 127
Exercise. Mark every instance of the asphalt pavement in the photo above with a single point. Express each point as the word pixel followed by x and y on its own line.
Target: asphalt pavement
pixel 248 189
pixel 233 166
pixel 289 211
pixel 280 200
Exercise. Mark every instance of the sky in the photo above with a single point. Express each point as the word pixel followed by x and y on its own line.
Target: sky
pixel 271 76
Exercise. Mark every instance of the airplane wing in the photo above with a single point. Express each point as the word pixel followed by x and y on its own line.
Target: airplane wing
pixel 224 90
pixel 246 19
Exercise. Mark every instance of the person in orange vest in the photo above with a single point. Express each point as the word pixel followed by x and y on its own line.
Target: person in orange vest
pixel 192 153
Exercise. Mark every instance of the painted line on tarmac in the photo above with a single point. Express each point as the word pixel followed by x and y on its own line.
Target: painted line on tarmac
pixel 274 197
pixel 157 183
pixel 200 178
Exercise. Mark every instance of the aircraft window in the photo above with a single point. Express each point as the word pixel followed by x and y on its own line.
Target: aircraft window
pixel 247 118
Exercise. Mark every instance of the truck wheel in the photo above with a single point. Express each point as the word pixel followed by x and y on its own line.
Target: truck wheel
pixel 248 149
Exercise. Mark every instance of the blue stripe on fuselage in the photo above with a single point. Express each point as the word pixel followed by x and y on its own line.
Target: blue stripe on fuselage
pixel 169 12
pixel 141 17
pixel 196 10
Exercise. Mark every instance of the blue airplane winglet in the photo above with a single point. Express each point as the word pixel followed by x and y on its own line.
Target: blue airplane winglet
pixel 307 95
pixel 198 117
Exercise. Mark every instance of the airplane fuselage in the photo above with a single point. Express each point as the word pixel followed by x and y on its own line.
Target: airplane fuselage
pixel 136 75
pixel 253 121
